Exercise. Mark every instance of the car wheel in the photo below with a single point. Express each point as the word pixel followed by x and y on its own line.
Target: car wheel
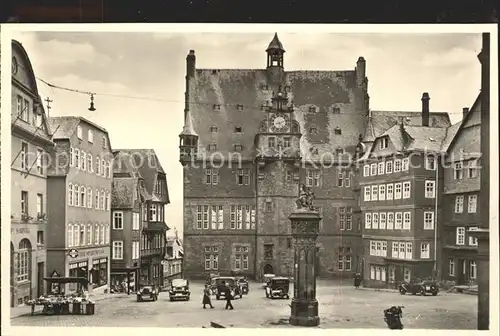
pixel 434 293
pixel 402 291
pixel 287 296
pixel 422 292
pixel 217 297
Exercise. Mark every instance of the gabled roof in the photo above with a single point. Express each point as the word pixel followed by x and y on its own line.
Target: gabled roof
pixel 467 116
pixel 68 124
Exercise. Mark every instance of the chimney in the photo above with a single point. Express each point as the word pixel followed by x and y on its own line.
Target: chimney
pixel 190 64
pixel 425 109
pixel 360 71
pixel 465 110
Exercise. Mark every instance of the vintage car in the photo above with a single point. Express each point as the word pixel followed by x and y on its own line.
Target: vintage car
pixel 220 287
pixel 243 283
pixel 149 292
pixel 179 290
pixel 267 277
pixel 417 286
pixel 278 287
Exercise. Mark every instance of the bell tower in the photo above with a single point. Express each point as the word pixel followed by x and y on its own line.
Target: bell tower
pixel 188 144
pixel 275 53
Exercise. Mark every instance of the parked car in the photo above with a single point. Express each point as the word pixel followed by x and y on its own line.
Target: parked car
pixel 179 290
pixel 244 286
pixel 222 282
pixel 149 292
pixel 417 286
pixel 267 277
pixel 278 287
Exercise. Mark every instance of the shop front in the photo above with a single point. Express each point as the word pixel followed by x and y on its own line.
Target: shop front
pixel 124 280
pixel 92 264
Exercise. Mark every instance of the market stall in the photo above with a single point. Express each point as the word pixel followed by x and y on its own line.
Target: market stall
pixel 57 302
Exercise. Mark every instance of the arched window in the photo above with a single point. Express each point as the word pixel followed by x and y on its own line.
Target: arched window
pixel 89 234
pixel 102 234
pixel 106 233
pixel 97 165
pixel 107 201
pixel 82 234
pixel 70 235
pixel 89 162
pixel 83 199
pixel 103 167
pixel 71 157
pixel 83 164
pixel 76 196
pixel 97 199
pixel 96 234
pixel 24 260
pixel 295 127
pixel 70 194
pixel 77 158
pixel 89 198
pixel 101 200
pixel 76 235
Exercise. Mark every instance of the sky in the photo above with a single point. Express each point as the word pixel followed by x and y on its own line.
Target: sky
pixel 400 67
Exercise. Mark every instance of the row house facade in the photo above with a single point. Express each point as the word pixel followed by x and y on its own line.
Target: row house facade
pixel 461 198
pixel 399 182
pixel 80 173
pixel 128 198
pixel 30 141
pixel 152 218
pixel 259 135
pixel 174 255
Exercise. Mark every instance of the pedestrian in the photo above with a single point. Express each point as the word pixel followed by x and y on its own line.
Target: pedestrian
pixel 229 297
pixel 206 297
pixel 357 280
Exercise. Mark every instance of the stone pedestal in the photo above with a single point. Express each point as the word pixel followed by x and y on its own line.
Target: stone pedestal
pixel 305 229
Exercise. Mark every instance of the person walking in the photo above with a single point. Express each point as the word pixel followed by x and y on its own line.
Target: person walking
pixel 229 297
pixel 206 297
pixel 357 280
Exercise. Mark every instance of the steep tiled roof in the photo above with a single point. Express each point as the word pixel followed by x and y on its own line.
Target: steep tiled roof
pixel 320 89
pixel 188 125
pixel 426 138
pixel 450 134
pixel 124 191
pixel 67 126
pixel 275 43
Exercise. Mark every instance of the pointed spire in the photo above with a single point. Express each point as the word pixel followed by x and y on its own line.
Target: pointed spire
pixel 188 128
pixel 275 44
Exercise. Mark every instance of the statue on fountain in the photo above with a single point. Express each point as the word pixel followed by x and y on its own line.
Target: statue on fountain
pixel 305 200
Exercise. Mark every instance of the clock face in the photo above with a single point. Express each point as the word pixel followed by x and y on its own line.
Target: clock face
pixel 279 122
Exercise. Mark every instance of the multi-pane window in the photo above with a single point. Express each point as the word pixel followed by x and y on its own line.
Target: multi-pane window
pixel 271 142
pixel 473 269
pixel 24 202
pixel 239 217
pixel 460 240
pixel 342 218
pixel 70 194
pixel 409 252
pixel 430 190
pixel 243 176
pixel 135 250
pixel 390 191
pixel 39 204
pixel 205 216
pixel 378 248
pixel 241 258
pixel 451 267
pixel 390 220
pixel 212 176
pixel 458 172
pixel 340 179
pixel 381 192
pixel 374 193
pixel 83 163
pixel 395 249
pixel 24 156
pixel 366 170
pixel 472 204
pixel 286 142
pixel 381 167
pixel 289 176
pixel 428 220
pixel 368 193
pixel 472 169
pixel 211 258
pixel 399 221
pixel 232 217
pixel 382 218
pixel 117 220
pixel 373 169
pixel 83 195
pixel 39 161
pixel 397 190
pixel 388 167
pixel 378 272
pixel 406 189
pixel 375 220
pixel 348 219
pixel 344 259
pixel 368 221
pixel 472 239
pixel 118 250
pixel 135 221
pixel 407 221
pixel 77 158
pixel 89 233
pixel 23 260
pixel 405 164
pixel 384 143
pixel 459 204
pixel 313 178
pixel 424 250
pixel 430 162
pixel 98 165
pixel 79 132
pixel 397 165
pixel 97 234
pixel 90 136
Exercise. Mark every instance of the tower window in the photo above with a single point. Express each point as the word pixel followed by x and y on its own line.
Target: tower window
pixel 212 147
pixel 214 129
pixel 216 107
pixel 338 131
pixel 340 150
pixel 312 109
pixel 238 148
pixel 336 110
pixel 239 107
pixel 237 129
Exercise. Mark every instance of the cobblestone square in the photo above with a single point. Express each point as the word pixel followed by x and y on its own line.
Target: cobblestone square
pixel 340 306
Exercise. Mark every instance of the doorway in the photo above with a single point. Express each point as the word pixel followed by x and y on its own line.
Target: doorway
pixel 268 269
pixel 40 275
pixel 462 272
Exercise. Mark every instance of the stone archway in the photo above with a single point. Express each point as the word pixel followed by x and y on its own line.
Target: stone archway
pixel 268 269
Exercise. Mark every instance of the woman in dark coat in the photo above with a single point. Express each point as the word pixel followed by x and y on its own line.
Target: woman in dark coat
pixel 206 297
pixel 357 280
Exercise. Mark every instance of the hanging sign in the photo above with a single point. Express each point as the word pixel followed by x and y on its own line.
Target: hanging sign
pixel 73 253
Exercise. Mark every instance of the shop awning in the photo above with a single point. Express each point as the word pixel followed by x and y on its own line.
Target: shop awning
pixel 65 280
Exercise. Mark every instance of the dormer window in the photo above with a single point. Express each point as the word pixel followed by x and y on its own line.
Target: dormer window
pixel 79 132
pixel 338 131
pixel 237 129
pixel 239 107
pixel 336 110
pixel 238 148
pixel 271 142
pixel 216 107
pixel 312 109
pixel 214 129
pixel 212 147
pixel 384 143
